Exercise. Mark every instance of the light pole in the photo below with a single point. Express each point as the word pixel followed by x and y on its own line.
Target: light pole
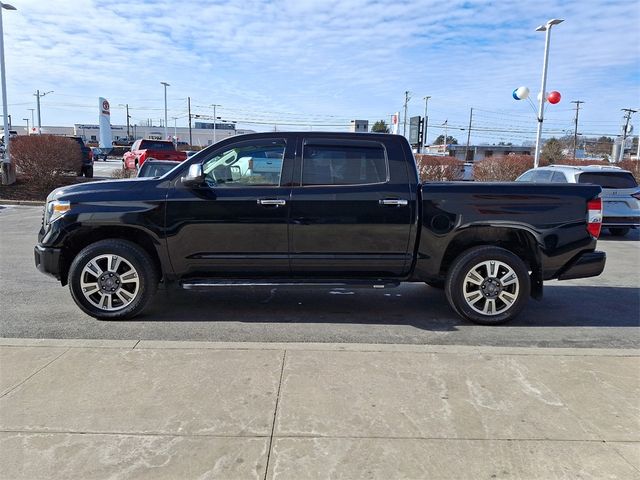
pixel 27 120
pixel 175 130
pixel 166 135
pixel 8 173
pixel 215 121
pixel 33 123
pixel 426 121
pixel 39 95
pixel 543 28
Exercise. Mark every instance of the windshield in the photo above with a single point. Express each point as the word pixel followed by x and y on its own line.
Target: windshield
pixel 609 179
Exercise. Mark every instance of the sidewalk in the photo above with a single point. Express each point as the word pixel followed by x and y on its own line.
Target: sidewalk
pixel 90 409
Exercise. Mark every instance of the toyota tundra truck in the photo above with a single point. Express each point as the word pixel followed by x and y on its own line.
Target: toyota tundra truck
pixel 311 208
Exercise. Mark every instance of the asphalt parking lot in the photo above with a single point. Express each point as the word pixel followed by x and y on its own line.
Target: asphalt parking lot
pixel 594 312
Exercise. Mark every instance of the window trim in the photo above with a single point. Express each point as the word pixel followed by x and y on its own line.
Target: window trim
pixel 243 143
pixel 330 142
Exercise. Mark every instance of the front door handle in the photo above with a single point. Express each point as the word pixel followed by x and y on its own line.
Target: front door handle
pixel 396 202
pixel 271 201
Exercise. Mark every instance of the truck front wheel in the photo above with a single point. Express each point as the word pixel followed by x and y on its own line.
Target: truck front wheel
pixel 488 285
pixel 112 279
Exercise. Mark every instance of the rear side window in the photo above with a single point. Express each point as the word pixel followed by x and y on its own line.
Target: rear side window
pixel 609 179
pixel 558 177
pixel 343 165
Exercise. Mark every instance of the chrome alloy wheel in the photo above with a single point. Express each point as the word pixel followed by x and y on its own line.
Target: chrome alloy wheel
pixel 491 287
pixel 109 282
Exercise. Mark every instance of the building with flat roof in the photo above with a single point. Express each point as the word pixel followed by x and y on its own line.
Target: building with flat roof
pixel 203 136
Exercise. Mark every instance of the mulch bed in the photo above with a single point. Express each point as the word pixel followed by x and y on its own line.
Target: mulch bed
pixel 22 190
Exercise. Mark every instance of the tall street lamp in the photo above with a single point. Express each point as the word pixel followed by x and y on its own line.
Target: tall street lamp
pixel 27 120
pixel 166 134
pixel 543 28
pixel 426 121
pixel 8 173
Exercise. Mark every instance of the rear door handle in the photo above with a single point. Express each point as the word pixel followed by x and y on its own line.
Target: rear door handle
pixel 271 201
pixel 396 202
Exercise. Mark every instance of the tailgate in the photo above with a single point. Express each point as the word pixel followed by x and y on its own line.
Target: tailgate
pixel 166 155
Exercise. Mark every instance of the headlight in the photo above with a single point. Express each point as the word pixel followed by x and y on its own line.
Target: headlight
pixel 55 209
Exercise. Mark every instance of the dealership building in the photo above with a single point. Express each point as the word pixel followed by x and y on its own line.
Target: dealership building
pixel 202 133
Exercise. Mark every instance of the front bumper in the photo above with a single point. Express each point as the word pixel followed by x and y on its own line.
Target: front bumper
pixel 587 264
pixel 48 260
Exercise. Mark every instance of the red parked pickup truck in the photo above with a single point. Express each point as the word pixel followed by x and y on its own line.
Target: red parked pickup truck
pixel 144 149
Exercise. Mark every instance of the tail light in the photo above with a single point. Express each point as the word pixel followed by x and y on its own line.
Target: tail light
pixel 594 216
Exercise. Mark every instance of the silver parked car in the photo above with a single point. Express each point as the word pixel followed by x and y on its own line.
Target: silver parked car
pixel 620 191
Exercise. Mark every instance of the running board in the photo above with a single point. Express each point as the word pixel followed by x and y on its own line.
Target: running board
pixel 356 283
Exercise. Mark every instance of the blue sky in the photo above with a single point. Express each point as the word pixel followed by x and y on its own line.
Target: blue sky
pixel 322 63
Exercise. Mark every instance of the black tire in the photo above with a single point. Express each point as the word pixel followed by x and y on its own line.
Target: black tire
pixel 490 295
pixel 145 277
pixel 437 284
pixel 81 172
pixel 88 172
pixel 619 232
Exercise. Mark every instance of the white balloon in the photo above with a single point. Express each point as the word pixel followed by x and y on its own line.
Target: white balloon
pixel 545 96
pixel 522 93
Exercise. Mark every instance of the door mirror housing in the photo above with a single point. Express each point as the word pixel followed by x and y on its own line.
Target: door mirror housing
pixel 194 176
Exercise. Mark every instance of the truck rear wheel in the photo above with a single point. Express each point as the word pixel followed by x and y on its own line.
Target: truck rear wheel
pixel 112 279
pixel 488 285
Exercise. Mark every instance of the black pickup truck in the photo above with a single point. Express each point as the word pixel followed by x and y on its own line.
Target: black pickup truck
pixel 316 208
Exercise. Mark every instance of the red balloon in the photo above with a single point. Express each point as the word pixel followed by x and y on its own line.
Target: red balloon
pixel 554 97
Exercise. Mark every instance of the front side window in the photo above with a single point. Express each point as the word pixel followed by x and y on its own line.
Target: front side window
pixel 256 163
pixel 343 165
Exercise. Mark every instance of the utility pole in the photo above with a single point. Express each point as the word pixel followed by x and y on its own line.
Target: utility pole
pixel 426 122
pixel 575 133
pixel 38 96
pixel 446 129
pixel 624 130
pixel 189 105
pixel 406 102
pixel 128 117
pixel 466 150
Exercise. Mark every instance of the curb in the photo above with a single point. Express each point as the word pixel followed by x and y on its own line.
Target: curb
pixel 33 203
pixel 333 347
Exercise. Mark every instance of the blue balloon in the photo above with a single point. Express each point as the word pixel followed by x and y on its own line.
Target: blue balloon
pixel 515 96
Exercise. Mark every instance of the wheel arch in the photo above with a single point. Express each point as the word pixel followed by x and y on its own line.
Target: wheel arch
pixel 517 240
pixel 81 239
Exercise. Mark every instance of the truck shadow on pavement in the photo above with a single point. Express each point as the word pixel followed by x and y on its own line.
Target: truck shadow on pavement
pixel 412 304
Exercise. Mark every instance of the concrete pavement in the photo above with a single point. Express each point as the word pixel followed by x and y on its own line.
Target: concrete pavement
pixel 154 409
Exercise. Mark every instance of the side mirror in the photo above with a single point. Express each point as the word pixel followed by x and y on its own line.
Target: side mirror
pixel 194 177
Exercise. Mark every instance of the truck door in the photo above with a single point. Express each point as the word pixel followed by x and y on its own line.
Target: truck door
pixel 351 209
pixel 236 222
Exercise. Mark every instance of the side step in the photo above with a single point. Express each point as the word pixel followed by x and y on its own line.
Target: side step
pixel 194 284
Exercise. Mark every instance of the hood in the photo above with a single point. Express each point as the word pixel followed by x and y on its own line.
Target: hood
pixel 106 189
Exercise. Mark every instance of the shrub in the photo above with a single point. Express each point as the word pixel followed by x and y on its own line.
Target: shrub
pixel 502 168
pixel 633 166
pixel 437 169
pixel 123 173
pixel 42 160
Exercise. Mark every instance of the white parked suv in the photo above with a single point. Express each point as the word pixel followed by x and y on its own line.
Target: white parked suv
pixel 620 191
